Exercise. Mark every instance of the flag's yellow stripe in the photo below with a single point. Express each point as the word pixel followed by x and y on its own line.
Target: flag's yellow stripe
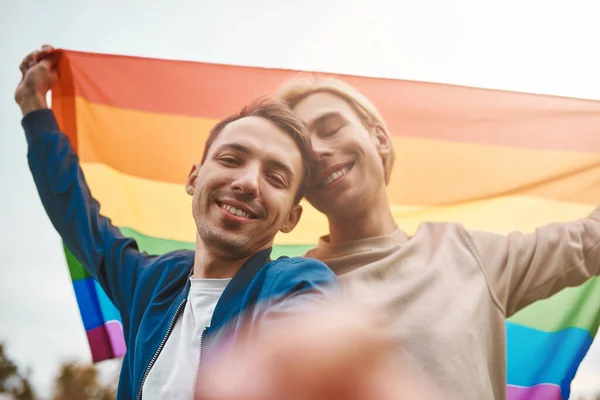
pixel 163 210
pixel 163 148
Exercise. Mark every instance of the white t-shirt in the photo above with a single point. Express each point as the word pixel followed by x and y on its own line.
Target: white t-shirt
pixel 173 373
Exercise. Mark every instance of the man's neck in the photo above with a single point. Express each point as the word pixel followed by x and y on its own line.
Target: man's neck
pixel 208 263
pixel 376 220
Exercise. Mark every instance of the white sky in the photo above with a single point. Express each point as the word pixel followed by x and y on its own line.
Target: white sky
pixel 540 46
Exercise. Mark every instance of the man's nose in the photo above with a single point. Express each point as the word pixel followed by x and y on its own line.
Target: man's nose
pixel 320 149
pixel 247 182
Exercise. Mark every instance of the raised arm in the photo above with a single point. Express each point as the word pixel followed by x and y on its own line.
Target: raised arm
pixel 105 253
pixel 522 268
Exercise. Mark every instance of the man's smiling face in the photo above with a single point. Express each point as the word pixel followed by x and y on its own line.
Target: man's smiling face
pixel 245 191
pixel 348 167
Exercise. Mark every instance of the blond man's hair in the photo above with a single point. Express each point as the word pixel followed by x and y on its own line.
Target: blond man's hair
pixel 297 89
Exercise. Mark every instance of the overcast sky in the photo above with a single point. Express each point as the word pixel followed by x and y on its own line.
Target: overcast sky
pixel 539 46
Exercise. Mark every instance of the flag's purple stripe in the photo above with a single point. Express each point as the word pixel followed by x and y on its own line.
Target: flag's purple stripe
pixel 106 341
pixel 117 340
pixel 544 391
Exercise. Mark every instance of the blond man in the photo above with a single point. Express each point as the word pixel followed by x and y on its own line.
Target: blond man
pixel 448 289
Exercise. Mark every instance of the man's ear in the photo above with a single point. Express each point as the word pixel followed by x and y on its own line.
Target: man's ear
pixel 292 219
pixel 383 141
pixel 190 184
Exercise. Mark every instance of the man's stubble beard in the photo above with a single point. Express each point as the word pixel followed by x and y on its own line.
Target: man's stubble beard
pixel 236 247
pixel 233 247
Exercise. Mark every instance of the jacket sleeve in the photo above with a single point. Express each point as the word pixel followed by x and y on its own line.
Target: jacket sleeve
pixel 112 259
pixel 522 268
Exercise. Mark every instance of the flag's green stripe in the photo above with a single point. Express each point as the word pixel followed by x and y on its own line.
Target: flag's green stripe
pixel 571 307
pixel 75 268
pixel 290 250
pixel 156 246
pixel 152 245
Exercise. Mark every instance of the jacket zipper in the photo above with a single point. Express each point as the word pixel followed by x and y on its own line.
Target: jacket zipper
pixel 162 343
pixel 198 364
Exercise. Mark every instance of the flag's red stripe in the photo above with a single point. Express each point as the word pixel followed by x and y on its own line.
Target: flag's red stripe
pixel 412 109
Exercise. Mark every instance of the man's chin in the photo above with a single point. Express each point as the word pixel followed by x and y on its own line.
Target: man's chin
pixel 225 242
pixel 229 248
pixel 334 205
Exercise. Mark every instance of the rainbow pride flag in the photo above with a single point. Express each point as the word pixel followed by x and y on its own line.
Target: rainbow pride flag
pixel 493 160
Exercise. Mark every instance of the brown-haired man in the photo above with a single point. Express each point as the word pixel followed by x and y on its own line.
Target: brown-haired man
pixel 174 306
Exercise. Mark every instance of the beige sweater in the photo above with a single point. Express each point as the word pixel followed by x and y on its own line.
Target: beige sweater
pixel 450 290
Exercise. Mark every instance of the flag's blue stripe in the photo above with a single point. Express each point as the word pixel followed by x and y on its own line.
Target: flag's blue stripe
pixel 536 357
pixel 94 305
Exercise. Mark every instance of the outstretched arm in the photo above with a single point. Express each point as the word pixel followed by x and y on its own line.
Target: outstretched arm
pixel 523 268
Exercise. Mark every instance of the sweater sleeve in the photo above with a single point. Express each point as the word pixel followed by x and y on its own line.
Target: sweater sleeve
pixel 522 268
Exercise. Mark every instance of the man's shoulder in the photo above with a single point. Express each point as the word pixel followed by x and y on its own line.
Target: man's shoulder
pixel 442 229
pixel 292 275
pixel 297 263
pixel 294 269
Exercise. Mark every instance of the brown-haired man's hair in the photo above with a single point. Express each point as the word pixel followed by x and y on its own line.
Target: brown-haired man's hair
pixel 280 115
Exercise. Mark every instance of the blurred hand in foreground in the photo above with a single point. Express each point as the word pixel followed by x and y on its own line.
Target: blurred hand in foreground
pixel 341 351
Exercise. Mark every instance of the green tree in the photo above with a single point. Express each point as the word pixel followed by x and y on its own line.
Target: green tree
pixel 12 381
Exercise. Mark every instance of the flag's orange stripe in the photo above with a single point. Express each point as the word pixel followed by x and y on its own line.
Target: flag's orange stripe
pixel 427 172
pixel 412 109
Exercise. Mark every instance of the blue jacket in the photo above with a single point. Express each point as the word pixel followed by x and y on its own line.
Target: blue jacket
pixel 149 290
